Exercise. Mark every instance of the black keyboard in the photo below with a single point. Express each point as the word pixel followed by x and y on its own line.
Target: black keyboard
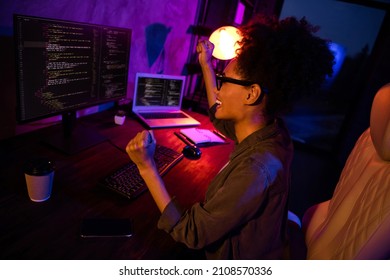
pixel 127 181
pixel 162 115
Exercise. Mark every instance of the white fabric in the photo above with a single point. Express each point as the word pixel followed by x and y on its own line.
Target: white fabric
pixel 359 211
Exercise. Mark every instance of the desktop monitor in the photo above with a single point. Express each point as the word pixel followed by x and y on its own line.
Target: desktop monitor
pixel 64 66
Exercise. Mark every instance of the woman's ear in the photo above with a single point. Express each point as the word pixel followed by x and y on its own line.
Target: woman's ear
pixel 254 95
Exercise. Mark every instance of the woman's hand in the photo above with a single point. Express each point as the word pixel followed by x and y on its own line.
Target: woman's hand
pixel 205 49
pixel 141 149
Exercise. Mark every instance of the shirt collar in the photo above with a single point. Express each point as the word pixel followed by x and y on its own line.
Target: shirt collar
pixel 256 137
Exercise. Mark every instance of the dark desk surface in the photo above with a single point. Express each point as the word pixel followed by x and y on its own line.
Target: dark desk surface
pixel 50 230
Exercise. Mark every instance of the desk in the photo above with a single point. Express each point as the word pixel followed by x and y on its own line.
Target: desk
pixel 50 230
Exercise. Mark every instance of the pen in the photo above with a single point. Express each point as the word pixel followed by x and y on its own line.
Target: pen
pixel 219 134
pixel 184 139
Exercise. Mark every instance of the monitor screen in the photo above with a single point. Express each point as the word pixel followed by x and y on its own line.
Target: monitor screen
pixel 63 66
pixel 158 91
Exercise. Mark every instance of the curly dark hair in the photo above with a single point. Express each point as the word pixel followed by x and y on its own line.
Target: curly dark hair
pixel 285 57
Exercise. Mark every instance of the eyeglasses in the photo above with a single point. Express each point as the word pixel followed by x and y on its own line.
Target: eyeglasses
pixel 220 79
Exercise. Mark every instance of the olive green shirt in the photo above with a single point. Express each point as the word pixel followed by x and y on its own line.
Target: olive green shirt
pixel 244 214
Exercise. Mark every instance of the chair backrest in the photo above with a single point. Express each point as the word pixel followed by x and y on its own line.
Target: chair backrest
pixel 355 223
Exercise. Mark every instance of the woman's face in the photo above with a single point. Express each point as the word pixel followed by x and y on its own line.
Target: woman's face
pixel 230 96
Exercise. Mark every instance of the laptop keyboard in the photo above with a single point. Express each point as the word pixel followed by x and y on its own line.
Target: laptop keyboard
pixel 127 181
pixel 160 115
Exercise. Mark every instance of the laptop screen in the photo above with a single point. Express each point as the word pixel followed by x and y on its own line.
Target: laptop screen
pixel 158 90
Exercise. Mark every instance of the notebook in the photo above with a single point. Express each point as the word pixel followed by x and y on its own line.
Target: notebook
pixel 157 101
pixel 203 137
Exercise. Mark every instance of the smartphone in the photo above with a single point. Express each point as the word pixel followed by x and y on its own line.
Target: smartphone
pixel 101 227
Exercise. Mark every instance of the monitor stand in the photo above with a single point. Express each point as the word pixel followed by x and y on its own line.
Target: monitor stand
pixel 72 138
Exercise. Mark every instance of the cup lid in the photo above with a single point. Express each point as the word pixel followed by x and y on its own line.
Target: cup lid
pixel 38 166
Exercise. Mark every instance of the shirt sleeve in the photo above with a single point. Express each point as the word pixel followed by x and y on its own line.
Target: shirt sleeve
pixel 236 202
pixel 170 216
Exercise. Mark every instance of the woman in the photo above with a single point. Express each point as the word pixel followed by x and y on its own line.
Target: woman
pixel 245 210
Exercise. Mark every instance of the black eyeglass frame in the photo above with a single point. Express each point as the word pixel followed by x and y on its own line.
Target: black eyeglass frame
pixel 220 79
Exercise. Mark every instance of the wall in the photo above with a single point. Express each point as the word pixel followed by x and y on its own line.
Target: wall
pixel 160 42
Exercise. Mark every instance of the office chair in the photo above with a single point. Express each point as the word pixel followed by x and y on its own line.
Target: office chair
pixel 355 222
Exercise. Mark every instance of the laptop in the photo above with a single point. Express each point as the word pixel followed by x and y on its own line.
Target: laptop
pixel 157 101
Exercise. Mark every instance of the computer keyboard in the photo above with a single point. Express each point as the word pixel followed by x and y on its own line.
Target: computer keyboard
pixel 127 181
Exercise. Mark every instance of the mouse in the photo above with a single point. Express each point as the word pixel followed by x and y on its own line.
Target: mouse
pixel 192 152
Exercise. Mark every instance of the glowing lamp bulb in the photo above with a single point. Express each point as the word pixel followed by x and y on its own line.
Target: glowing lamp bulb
pixel 225 42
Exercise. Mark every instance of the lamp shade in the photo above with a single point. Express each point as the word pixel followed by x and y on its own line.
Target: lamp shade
pixel 225 42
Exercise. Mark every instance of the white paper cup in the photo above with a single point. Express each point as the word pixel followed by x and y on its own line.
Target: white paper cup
pixel 39 174
pixel 120 117
pixel 119 120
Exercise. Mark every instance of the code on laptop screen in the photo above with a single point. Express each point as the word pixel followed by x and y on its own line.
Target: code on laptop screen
pixel 158 92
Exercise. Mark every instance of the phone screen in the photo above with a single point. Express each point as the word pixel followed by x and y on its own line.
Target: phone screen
pixel 97 227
